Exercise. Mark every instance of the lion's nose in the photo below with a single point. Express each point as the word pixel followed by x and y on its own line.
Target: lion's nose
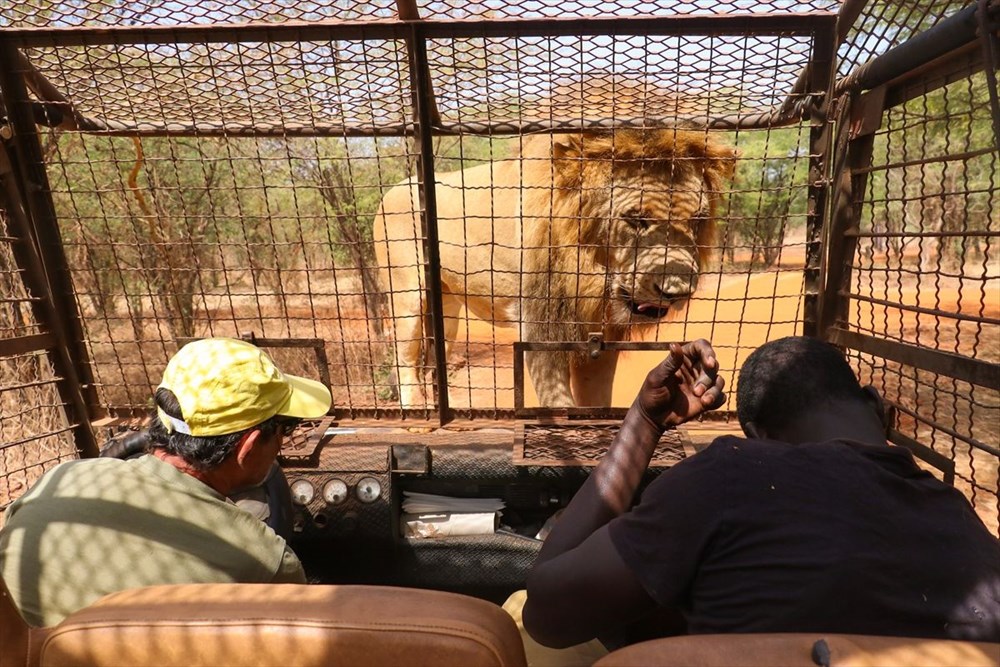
pixel 675 285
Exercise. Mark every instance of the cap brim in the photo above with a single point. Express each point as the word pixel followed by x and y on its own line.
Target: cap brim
pixel 309 399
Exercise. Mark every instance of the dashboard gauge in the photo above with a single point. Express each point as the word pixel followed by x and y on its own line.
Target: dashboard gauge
pixel 335 491
pixel 302 491
pixel 368 490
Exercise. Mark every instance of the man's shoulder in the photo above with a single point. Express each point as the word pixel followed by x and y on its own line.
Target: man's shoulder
pixel 731 446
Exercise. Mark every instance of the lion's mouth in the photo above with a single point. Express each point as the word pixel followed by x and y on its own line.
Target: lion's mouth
pixel 653 310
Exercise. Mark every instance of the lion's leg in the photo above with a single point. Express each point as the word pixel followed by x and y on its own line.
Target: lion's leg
pixel 408 330
pixel 549 372
pixel 592 379
pixel 451 308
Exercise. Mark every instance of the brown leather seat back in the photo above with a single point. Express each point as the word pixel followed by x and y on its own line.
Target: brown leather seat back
pixel 801 650
pixel 13 632
pixel 248 624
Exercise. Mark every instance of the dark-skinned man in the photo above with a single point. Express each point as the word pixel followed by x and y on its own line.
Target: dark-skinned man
pixel 813 523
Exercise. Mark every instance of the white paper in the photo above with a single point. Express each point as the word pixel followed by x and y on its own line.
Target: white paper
pixel 429 503
pixel 450 524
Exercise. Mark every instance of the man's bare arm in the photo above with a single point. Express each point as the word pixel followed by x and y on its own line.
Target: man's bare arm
pixel 578 581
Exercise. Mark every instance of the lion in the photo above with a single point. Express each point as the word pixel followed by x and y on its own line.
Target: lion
pixel 594 231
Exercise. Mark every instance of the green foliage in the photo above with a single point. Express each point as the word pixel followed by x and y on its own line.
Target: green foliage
pixel 941 174
pixel 768 198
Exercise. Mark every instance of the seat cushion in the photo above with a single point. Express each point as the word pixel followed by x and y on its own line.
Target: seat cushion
pixel 796 650
pixel 251 624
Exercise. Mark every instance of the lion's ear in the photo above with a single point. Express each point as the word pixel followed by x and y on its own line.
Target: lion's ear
pixel 567 146
pixel 720 164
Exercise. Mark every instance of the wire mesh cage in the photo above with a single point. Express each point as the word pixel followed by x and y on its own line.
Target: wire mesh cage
pixel 217 184
pixel 926 276
pixel 261 170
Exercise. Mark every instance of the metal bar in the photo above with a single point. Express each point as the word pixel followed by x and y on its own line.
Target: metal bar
pixel 926 454
pixel 918 309
pixel 921 235
pixel 841 246
pixel 40 436
pixel 949 34
pixel 519 376
pixel 757 24
pixel 31 213
pixel 760 120
pixel 971 442
pixel 408 11
pixel 44 90
pixel 967 155
pixel 268 342
pixel 13 347
pixel 552 415
pixel 957 65
pixel 836 244
pixel 585 346
pixel 849 12
pixel 989 26
pixel 471 418
pixel 47 236
pixel 31 385
pixel 821 77
pixel 966 369
pixel 420 72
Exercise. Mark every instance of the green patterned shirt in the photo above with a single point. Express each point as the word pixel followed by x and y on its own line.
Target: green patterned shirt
pixel 95 526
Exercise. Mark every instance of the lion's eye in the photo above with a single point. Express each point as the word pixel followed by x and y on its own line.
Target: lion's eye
pixel 636 220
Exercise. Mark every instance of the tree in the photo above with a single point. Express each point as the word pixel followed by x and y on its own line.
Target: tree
pixel 769 196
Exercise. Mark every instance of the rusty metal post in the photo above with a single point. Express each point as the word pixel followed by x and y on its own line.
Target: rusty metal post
pixel 31 210
pixel 851 179
pixel 422 103
pixel 988 15
pixel 821 78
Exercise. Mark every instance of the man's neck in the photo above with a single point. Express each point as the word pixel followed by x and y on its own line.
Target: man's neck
pixel 210 478
pixel 846 422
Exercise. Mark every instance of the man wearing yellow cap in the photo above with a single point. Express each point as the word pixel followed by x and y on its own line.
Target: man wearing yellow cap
pixel 94 526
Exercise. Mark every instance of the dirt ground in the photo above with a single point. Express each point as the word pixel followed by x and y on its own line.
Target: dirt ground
pixel 740 312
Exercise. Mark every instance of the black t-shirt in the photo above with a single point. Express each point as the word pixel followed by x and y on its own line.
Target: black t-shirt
pixel 759 536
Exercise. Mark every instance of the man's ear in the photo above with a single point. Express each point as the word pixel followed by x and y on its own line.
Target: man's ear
pixel 246 444
pixel 754 431
pixel 875 401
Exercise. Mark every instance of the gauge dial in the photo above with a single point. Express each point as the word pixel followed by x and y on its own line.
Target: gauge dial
pixel 335 491
pixel 302 491
pixel 368 490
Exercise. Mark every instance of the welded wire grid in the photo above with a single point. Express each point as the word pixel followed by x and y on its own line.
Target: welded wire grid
pixel 34 435
pixel 174 237
pixel 213 231
pixel 927 273
pixel 751 289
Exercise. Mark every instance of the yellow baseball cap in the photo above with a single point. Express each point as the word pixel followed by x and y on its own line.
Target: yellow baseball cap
pixel 226 385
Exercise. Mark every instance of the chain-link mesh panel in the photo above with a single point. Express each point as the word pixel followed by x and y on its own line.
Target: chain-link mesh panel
pixel 927 274
pixel 250 201
pixel 34 434
pixel 617 78
pixel 189 237
pixel 255 88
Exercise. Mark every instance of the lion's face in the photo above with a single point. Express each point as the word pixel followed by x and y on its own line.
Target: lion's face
pixel 658 229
